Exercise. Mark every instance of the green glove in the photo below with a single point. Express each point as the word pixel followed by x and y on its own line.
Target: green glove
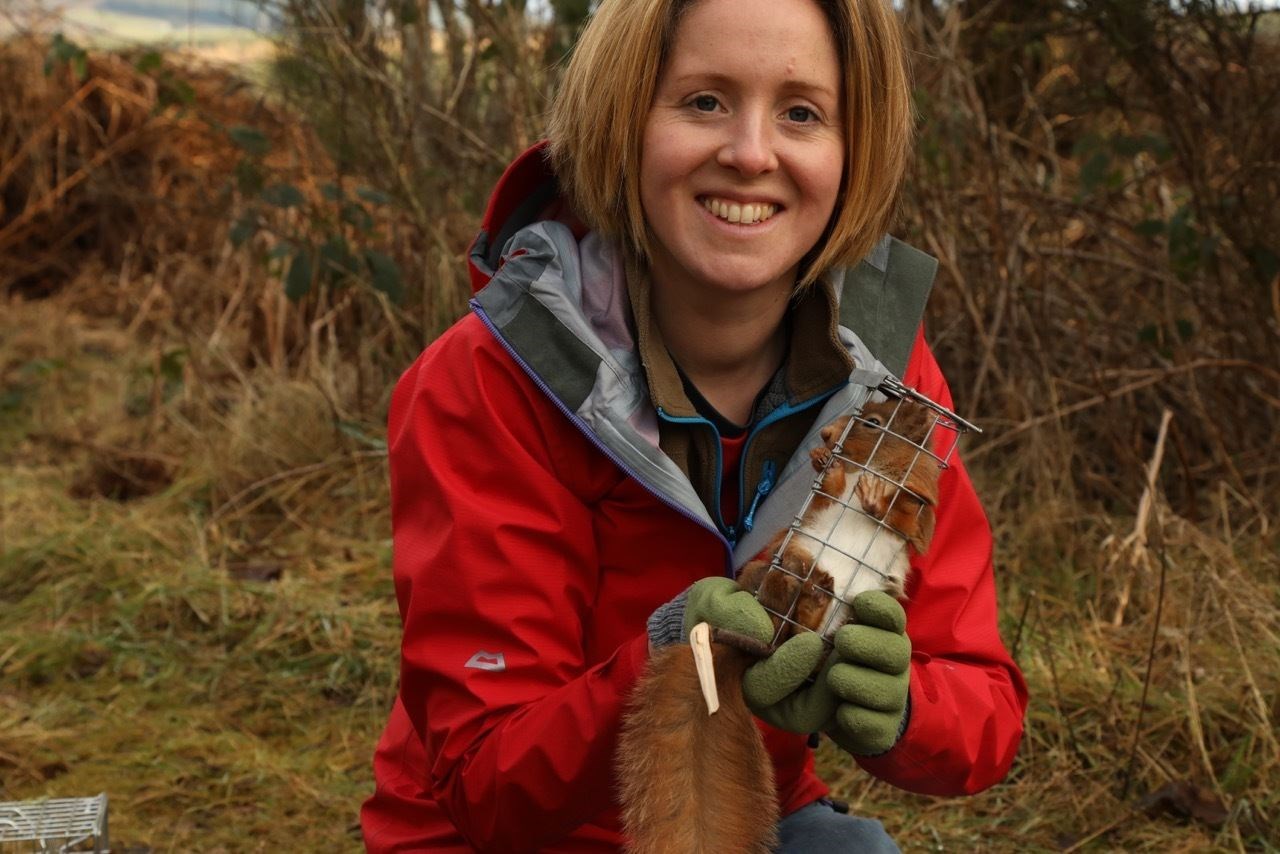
pixel 722 603
pixel 859 697
pixel 872 677
pixel 776 689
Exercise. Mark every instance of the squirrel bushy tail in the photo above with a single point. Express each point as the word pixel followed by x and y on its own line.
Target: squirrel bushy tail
pixel 693 783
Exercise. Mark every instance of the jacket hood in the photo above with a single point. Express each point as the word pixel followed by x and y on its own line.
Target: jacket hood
pixel 526 188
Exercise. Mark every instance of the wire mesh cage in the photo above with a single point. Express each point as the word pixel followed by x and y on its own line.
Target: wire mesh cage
pixel 872 498
pixel 54 825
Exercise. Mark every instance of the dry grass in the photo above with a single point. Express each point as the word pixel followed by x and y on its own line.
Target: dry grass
pixel 194 545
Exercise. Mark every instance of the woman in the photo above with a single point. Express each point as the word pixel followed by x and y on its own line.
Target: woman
pixel 654 332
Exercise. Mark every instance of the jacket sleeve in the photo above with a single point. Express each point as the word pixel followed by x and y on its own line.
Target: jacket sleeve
pixel 496 574
pixel 968 698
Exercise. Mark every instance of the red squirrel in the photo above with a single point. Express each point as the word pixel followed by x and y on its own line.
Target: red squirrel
pixel 694 783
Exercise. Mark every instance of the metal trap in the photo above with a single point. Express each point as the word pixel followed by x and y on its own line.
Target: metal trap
pixel 873 492
pixel 54 825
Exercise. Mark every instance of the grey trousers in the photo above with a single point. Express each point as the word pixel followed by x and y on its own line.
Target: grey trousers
pixel 819 829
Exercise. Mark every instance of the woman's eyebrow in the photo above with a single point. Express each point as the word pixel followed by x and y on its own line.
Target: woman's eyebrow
pixel 695 79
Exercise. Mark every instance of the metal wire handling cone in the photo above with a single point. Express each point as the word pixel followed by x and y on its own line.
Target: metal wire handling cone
pixel 871 501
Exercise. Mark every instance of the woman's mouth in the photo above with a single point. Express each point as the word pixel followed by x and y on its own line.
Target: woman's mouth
pixel 738 212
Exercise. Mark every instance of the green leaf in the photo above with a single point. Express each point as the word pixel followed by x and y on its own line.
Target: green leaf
pixel 149 61
pixel 1158 145
pixel 332 192
pixel 243 229
pixel 173 90
pixel 407 12
pixel 12 398
pixel 1127 146
pixel 1150 227
pixel 63 51
pixel 355 431
pixel 171 365
pixel 376 197
pixel 1265 261
pixel 1094 171
pixel 1086 145
pixel 42 367
pixel 298 282
pixel 385 275
pixel 249 178
pixel 252 140
pixel 1185 328
pixel 355 214
pixel 336 260
pixel 283 196
pixel 281 250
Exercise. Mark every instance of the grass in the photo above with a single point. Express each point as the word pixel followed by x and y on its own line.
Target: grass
pixel 223 713
pixel 218 713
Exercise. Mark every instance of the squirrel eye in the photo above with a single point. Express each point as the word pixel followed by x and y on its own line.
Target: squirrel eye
pixel 874 421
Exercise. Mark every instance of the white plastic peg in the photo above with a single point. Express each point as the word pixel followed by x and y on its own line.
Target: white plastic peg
pixel 700 641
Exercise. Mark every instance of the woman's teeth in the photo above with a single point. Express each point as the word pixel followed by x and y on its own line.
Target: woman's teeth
pixel 734 212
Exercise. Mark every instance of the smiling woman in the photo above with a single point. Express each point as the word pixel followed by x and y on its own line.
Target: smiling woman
pixel 747 118
pixel 671 296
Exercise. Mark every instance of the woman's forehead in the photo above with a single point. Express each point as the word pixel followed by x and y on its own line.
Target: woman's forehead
pixel 724 41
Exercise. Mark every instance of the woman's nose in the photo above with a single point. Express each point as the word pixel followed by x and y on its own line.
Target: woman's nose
pixel 749 148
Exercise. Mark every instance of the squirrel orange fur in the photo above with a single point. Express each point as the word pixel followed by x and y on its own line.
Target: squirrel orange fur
pixel 693 783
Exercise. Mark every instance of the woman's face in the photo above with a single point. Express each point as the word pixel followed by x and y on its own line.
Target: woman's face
pixel 743 148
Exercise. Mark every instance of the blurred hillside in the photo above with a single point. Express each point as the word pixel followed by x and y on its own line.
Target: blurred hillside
pixel 209 286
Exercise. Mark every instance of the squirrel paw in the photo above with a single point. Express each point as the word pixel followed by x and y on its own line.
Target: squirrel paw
pixel 821 458
pixel 875 493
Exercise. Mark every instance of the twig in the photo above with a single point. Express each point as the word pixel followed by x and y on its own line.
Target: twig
pixel 300 471
pixel 1136 543
pixel 1085 762
pixel 1022 621
pixel 1146 681
pixel 741 642
pixel 1005 437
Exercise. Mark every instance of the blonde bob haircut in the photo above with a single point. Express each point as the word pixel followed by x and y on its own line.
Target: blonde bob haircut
pixel 598 116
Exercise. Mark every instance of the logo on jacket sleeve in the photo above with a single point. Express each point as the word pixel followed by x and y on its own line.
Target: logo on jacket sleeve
pixel 483 660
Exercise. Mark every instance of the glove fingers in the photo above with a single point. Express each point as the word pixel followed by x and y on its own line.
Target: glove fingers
pixel 879 609
pixel 870 689
pixel 875 648
pixel 768 681
pixel 722 603
pixel 740 612
pixel 865 731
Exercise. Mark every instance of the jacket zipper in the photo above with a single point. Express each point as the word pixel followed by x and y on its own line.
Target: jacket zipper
pixel 604 449
pixel 763 488
pixel 766 483
pixel 731 538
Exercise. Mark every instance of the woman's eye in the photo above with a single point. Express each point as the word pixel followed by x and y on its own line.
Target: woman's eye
pixel 705 103
pixel 801 115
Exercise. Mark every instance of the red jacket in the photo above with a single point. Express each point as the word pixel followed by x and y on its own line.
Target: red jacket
pixel 531 545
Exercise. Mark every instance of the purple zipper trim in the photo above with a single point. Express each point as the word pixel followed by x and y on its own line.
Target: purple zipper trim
pixel 594 440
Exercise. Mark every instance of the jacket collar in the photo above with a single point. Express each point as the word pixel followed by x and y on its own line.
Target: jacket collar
pixel 816 360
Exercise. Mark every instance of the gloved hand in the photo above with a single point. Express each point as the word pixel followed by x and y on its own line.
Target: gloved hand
pixel 872 677
pixel 859 697
pixel 718 601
